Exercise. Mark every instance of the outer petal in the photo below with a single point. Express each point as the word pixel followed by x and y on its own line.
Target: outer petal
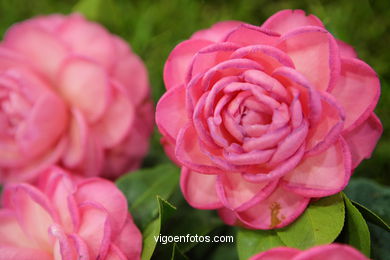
pixel 199 189
pixel 217 32
pixel 17 253
pixel 288 20
pixel 357 90
pixel 363 139
pixel 332 251
pixel 315 54
pixel 10 231
pixel 278 210
pixel 246 34
pixel 279 253
pixel 179 60
pixel 321 175
pixel 129 240
pixel 346 50
pixel 171 114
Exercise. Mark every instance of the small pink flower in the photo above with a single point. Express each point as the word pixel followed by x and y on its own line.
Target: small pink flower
pixel 325 252
pixel 71 94
pixel 262 119
pixel 67 219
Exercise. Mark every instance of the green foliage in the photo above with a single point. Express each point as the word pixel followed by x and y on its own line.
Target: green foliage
pixel 91 9
pixel 320 224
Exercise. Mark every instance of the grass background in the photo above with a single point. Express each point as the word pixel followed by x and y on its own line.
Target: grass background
pixel 153 28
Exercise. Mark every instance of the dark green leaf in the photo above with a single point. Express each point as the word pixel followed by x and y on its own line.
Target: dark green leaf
pixel 356 231
pixel 320 224
pixel 371 216
pixel 251 242
pixel 142 187
pixel 89 8
pixel 177 254
pixel 152 231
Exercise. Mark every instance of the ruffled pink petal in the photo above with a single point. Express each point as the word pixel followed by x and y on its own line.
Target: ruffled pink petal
pixel 29 40
pixel 171 114
pixel 357 90
pixel 217 32
pixel 114 253
pixel 246 34
pixel 189 154
pixel 11 232
pixel 278 210
pixel 88 39
pixel 129 241
pixel 346 50
pixel 95 229
pixel 63 246
pixel 77 137
pixel 363 139
pixel 199 189
pixel 321 175
pixel 93 161
pixel 228 216
pixel 179 60
pixel 117 120
pixel 130 71
pixel 84 85
pixel 17 253
pixel 109 197
pixel 315 54
pixel 287 20
pixel 80 247
pixel 238 194
pixel 332 251
pixel 279 253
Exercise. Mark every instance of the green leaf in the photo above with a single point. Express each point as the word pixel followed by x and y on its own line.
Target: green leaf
pixel 141 188
pixel 371 216
pixel 251 242
pixel 153 230
pixel 177 254
pixel 89 8
pixel 356 231
pixel 320 224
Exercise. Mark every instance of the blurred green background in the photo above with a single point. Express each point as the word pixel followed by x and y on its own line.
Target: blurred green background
pixel 153 28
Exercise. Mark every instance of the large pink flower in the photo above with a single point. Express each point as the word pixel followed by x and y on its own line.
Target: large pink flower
pixel 65 219
pixel 262 119
pixel 325 252
pixel 71 94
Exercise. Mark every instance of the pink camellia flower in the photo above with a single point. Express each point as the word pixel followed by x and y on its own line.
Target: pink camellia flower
pixel 67 219
pixel 71 94
pixel 325 252
pixel 262 119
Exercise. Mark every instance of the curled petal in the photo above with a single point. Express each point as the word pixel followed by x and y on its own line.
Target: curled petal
pixel 217 32
pixel 199 189
pixel 246 34
pixel 346 50
pixel 129 241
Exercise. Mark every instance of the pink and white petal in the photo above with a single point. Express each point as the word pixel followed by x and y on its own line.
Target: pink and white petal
pixel 199 189
pixel 84 85
pixel 315 54
pixel 95 229
pixel 328 129
pixel 357 90
pixel 109 197
pixel 130 71
pixel 278 210
pixel 11 232
pixel 346 50
pixel 188 152
pixel 238 194
pixel 114 253
pixel 287 20
pixel 28 41
pixel 217 32
pixel 246 34
pixel 80 247
pixel 117 121
pixel 279 253
pixel 171 114
pixel 129 241
pixel 77 137
pixel 63 247
pixel 332 251
pixel 363 139
pixel 323 174
pixel 17 253
pixel 179 60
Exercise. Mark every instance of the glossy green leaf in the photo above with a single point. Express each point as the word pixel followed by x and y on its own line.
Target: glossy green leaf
pixel 153 230
pixel 177 254
pixel 356 231
pixel 89 8
pixel 320 224
pixel 142 187
pixel 371 216
pixel 251 242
